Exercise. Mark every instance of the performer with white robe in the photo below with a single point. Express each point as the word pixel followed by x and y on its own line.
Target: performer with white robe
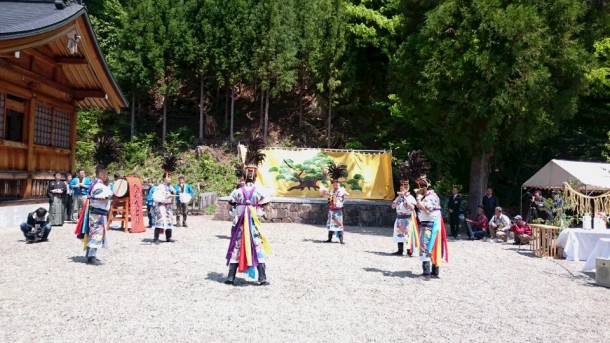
pixel 336 198
pixel 404 204
pixel 163 197
pixel 248 246
pixel 92 226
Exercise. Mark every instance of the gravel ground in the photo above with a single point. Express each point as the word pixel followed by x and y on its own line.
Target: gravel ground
pixel 318 292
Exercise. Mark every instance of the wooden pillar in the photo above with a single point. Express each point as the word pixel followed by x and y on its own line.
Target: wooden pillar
pixel 31 163
pixel 73 141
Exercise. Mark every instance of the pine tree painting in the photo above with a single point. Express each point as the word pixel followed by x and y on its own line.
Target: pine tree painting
pixel 309 173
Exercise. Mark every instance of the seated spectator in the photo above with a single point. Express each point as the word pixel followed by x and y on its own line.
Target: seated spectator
pixel 499 226
pixel 522 231
pixel 477 229
pixel 37 227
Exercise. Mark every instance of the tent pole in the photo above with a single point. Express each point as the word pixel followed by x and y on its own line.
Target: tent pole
pixel 521 203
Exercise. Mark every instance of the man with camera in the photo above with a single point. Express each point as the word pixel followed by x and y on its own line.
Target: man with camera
pixel 538 208
pixel 37 227
pixel 522 231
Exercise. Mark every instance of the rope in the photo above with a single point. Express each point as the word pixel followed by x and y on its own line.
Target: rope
pixel 582 203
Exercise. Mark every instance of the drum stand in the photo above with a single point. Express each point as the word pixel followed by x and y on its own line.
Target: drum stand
pixel 119 206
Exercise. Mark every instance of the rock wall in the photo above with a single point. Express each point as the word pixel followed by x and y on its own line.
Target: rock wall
pixel 315 211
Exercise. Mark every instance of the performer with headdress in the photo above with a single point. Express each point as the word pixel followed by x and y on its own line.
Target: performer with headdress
pixel 163 197
pixel 91 227
pixel 404 204
pixel 249 246
pixel 336 198
pixel 432 228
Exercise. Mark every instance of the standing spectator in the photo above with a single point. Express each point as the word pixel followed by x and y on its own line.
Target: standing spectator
pixel 182 204
pixel 56 192
pixel 150 203
pixel 499 226
pixel 80 185
pixel 477 229
pixel 557 202
pixel 454 204
pixel 37 226
pixel 68 198
pixel 522 231
pixel 490 202
pixel 542 211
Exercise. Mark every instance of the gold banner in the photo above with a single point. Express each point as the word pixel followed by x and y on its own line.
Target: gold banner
pixel 301 172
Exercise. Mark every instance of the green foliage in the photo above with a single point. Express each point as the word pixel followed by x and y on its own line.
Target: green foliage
pixel 455 78
pixel 210 210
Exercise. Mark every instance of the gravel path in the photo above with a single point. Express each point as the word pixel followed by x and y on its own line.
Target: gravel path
pixel 318 292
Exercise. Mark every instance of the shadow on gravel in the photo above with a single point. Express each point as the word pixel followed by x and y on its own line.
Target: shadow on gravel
pixel 401 274
pixel 161 240
pixel 382 253
pixel 319 241
pixel 239 282
pixel 79 259
pixel 223 237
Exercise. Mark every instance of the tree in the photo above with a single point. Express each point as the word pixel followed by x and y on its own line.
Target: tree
pixel 153 47
pixel 275 49
pixel 492 71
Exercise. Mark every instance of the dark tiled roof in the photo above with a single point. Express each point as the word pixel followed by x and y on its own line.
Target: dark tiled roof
pixel 27 17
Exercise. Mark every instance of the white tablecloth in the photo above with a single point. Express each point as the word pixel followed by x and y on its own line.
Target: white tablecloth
pixel 602 249
pixel 578 244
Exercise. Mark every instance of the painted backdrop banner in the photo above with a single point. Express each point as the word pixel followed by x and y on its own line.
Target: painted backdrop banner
pixel 301 172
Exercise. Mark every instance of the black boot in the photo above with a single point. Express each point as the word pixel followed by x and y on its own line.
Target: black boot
pixel 341 237
pixel 426 270
pixel 409 252
pixel 232 271
pixel 330 237
pixel 94 261
pixel 156 237
pixel 401 249
pixel 262 276
pixel 435 271
pixel 168 235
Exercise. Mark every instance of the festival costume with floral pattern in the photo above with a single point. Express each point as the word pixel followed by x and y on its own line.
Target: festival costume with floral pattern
pixel 164 211
pixel 405 225
pixel 433 235
pixel 249 245
pixel 91 226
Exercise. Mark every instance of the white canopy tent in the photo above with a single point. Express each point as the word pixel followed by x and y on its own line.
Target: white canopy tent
pixel 591 176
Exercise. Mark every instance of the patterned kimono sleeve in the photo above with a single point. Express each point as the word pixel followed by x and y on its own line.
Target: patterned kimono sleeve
pixel 236 195
pixel 261 196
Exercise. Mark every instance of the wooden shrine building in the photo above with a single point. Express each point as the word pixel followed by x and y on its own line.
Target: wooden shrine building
pixel 50 66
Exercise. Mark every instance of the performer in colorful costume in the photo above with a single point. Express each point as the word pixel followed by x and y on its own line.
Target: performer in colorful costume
pixel 163 197
pixel 249 246
pixel 336 198
pixel 432 228
pixel 405 226
pixel 92 222
pixel 91 226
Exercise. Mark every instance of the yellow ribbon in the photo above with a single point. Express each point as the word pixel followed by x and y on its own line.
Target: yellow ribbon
pixel 259 226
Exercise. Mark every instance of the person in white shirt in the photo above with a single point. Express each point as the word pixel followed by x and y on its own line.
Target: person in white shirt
pixel 499 226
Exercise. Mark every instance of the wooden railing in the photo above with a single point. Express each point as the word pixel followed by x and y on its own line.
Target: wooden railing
pixel 544 240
